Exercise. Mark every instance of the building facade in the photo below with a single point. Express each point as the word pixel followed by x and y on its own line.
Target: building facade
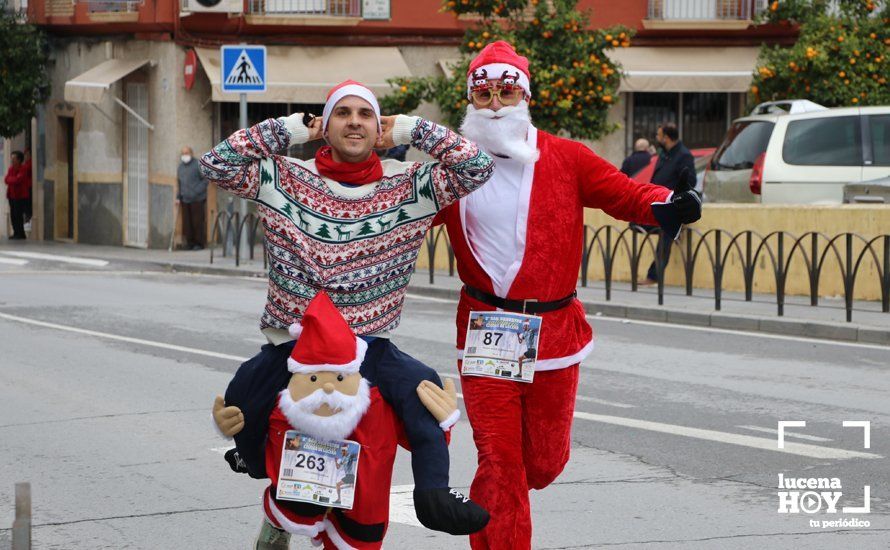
pixel 133 81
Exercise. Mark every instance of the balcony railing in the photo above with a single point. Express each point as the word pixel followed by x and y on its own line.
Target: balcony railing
pixel 19 7
pixel 111 6
pixel 328 8
pixel 705 10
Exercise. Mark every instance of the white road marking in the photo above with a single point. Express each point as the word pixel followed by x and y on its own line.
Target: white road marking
pixel 579 397
pixel 221 450
pixel 128 339
pixel 740 333
pixel 623 320
pixel 787 433
pixel 604 402
pixel 802 449
pixel 13 261
pixel 401 505
pixel 431 298
pixel 57 258
pixel 67 272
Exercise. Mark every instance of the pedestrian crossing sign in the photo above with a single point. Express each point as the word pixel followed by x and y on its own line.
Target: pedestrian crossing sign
pixel 243 68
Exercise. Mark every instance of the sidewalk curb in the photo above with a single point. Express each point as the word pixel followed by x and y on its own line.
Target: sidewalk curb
pixel 209 269
pixel 213 270
pixel 842 332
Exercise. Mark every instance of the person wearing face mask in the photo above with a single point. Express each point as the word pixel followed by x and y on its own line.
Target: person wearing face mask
pixel 192 197
pixel 518 243
pixel 351 225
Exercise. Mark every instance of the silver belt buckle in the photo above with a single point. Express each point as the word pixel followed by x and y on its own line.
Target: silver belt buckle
pixel 525 303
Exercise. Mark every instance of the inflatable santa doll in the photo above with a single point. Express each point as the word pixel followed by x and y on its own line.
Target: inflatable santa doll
pixel 328 412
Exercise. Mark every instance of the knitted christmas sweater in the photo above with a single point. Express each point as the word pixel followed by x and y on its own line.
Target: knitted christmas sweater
pixel 359 244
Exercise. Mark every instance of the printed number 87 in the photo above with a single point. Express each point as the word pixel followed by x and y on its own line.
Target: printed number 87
pixel 488 336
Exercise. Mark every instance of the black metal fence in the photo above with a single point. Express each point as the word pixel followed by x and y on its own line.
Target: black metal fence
pixel 781 248
pixel 711 250
pixel 227 231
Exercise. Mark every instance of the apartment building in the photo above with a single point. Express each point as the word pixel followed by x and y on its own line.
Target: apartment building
pixel 133 81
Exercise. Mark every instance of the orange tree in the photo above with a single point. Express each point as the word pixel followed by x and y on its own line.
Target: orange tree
pixel 573 81
pixel 840 57
pixel 24 82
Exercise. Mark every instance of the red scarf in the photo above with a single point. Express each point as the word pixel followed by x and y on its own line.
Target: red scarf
pixel 356 173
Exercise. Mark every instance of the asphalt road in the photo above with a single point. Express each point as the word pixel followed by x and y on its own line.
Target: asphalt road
pixel 107 375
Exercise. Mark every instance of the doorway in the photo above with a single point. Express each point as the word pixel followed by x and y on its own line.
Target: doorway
pixel 64 186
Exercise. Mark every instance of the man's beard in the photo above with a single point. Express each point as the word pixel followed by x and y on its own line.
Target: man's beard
pixel 505 135
pixel 300 414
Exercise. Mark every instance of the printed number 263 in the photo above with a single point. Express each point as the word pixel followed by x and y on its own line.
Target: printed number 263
pixel 310 462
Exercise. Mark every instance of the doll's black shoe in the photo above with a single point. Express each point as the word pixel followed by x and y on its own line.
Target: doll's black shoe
pixel 236 463
pixel 449 511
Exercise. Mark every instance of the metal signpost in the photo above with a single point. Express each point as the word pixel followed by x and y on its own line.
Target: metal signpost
pixel 243 72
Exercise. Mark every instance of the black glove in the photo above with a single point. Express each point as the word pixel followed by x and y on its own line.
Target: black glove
pixel 686 200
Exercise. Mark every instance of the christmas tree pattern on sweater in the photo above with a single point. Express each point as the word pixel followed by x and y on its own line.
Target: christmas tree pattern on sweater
pixel 361 247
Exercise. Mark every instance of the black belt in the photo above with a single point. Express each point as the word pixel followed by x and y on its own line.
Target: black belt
pixel 522 306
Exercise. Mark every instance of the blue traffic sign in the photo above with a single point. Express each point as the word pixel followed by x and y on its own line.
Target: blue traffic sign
pixel 243 68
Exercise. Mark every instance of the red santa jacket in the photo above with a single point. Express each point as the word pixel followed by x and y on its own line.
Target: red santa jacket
pixel 567 178
pixel 378 432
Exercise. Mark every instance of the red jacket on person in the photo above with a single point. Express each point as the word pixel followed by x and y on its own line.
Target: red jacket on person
pixel 554 192
pixel 18 181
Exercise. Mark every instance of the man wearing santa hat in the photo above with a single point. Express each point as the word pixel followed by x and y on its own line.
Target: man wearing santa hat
pixel 518 243
pixel 327 399
pixel 352 225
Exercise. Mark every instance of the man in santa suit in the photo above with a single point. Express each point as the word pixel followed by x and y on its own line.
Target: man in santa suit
pixel 327 399
pixel 518 243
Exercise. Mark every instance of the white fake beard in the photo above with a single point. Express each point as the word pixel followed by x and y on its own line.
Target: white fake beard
pixel 301 414
pixel 503 132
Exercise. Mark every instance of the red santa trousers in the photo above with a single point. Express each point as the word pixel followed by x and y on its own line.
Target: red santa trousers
pixel 523 436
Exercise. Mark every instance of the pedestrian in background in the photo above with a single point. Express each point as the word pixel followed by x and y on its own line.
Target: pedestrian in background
pixel 637 160
pixel 192 195
pixel 675 169
pixel 18 191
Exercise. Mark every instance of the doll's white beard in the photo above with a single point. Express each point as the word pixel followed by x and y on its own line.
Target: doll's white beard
pixel 503 132
pixel 301 414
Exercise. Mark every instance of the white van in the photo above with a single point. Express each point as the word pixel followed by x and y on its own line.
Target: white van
pixel 811 156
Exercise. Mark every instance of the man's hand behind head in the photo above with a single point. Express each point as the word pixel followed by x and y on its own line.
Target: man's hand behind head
pixel 385 141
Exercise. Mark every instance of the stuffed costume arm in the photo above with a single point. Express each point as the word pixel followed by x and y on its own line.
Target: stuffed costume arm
pixel 461 166
pixel 234 164
pixel 254 390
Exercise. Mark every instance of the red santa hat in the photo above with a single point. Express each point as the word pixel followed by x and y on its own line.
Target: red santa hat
pixel 499 60
pixel 344 89
pixel 324 340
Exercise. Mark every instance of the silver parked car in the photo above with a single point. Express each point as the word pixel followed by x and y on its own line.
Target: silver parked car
pixel 737 164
